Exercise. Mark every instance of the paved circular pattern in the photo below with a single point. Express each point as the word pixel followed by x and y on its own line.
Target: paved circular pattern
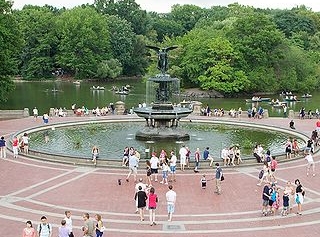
pixel 30 189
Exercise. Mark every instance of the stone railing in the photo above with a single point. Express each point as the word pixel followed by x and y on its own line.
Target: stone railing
pixel 14 114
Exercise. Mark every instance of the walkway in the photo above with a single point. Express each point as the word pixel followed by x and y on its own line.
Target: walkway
pixel 30 189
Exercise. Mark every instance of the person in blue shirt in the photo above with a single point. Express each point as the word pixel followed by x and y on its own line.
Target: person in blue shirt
pixel 207 156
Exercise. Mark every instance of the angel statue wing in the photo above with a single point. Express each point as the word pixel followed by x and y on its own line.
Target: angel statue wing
pixel 162 56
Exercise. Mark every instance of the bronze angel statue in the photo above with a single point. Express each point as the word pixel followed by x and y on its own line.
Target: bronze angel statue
pixel 162 57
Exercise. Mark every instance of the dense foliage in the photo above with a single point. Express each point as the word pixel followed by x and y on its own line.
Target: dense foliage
pixel 233 49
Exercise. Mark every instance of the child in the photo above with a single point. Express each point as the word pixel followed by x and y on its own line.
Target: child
pixel 165 169
pixel 203 182
pixel 63 230
pixel 285 200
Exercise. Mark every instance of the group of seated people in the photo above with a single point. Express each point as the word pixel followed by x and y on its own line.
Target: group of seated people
pixel 310 114
pixel 255 113
pixel 95 111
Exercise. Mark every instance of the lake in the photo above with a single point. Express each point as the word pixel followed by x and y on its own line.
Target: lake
pixel 40 95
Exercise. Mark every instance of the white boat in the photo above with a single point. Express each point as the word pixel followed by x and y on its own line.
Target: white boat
pixel 97 88
pixel 306 96
pixel 122 92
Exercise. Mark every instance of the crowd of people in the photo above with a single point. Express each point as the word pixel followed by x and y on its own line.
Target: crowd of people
pixel 166 163
pixel 90 228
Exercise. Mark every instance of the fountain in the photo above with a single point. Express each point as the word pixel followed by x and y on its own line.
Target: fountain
pixel 162 117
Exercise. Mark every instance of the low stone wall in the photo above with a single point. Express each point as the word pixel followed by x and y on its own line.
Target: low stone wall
pixel 14 114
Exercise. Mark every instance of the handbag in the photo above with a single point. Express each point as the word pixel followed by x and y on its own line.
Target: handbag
pixel 102 228
pixel 222 177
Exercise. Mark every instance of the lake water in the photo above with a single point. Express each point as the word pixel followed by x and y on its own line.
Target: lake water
pixel 40 95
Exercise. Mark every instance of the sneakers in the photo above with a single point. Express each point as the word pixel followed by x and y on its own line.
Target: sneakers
pixel 161 182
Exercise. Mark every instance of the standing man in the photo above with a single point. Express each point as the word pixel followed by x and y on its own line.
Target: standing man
pixel 218 179
pixel 183 157
pixel 44 228
pixel 154 161
pixel 3 148
pixel 310 164
pixel 133 167
pixel 88 227
pixel 173 165
pixel 171 197
pixel 197 160
pixel 69 222
pixel 35 113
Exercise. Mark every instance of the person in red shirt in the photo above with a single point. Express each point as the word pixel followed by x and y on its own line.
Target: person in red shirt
pixel 153 199
pixel 15 147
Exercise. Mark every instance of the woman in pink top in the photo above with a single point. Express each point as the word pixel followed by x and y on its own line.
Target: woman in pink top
pixel 153 199
pixel 15 147
pixel 29 231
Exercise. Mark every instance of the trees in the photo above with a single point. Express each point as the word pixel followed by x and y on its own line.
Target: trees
pixel 84 41
pixel 38 26
pixel 10 44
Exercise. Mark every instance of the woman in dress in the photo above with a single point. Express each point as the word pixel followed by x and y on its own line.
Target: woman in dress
pixel 29 231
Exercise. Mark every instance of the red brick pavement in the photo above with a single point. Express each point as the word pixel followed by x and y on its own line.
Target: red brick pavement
pixel 31 188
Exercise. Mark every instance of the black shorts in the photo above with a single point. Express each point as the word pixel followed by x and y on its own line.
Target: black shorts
pixel 154 171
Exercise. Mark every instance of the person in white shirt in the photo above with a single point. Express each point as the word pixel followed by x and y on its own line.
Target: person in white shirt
pixel 35 113
pixel 154 161
pixel 310 164
pixel 173 166
pixel 183 156
pixel 171 197
pixel 69 222
pixel 225 156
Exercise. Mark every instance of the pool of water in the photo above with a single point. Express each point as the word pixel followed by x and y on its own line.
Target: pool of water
pixel 111 138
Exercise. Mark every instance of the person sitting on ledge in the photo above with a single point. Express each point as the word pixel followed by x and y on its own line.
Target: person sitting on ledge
pixel 291 124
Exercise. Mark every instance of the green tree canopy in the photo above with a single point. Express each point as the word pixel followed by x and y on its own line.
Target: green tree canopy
pixel 84 41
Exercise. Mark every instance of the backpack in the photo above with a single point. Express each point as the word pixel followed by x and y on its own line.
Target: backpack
pixel 40 228
pixel 261 174
pixel 268 159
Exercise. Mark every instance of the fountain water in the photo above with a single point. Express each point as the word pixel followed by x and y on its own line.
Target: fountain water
pixel 162 117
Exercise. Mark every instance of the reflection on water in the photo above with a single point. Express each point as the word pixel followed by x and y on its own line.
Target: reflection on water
pixel 112 138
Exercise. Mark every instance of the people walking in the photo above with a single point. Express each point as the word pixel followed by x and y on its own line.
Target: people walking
pixel 99 225
pixel 68 220
pixel 310 165
pixel 63 229
pixel 44 229
pixel 171 197
pixel 154 161
pixel 173 166
pixel 88 226
pixel 29 231
pixel 218 179
pixel 133 167
pixel 152 199
pixel 141 198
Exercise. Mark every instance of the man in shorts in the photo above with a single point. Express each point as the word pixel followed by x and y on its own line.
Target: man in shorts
pixel 133 167
pixel 310 164
pixel 173 166
pixel 171 197
pixel 265 199
pixel 154 161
